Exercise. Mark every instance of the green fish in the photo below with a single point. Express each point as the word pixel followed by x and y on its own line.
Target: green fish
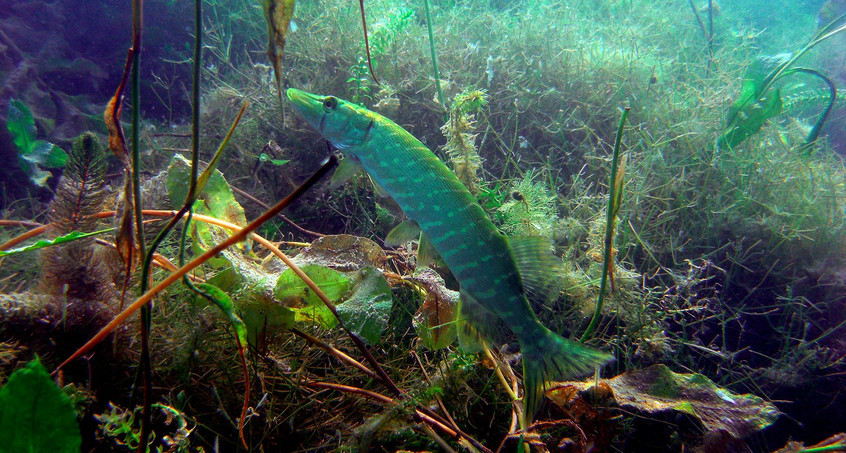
pixel 484 262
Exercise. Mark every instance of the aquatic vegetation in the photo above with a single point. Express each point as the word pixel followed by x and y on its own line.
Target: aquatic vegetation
pixel 359 82
pixel 759 100
pixel 658 393
pixel 33 154
pixel 529 208
pixel 35 415
pixel 278 15
pixel 461 139
pixel 726 262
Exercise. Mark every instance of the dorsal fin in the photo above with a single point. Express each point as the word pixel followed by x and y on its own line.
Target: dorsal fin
pixel 406 231
pixel 347 168
pixel 538 267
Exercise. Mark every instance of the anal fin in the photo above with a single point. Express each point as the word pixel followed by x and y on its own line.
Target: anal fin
pixel 402 233
pixel 477 326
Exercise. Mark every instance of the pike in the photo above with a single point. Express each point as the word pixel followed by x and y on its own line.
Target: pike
pixel 494 272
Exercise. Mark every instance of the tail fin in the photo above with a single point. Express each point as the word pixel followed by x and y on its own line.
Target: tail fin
pixel 553 357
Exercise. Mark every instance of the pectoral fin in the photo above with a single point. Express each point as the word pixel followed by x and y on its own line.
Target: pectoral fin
pixel 378 190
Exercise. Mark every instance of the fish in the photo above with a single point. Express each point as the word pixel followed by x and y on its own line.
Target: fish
pixel 494 272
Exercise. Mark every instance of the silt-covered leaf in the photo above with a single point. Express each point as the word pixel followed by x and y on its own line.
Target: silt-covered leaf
pixel 367 310
pixel 657 389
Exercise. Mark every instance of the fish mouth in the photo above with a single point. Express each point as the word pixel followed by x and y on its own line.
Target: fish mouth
pixel 306 104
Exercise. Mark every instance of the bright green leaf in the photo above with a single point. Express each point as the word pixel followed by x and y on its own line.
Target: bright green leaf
pixel 278 162
pixel 294 293
pixel 21 126
pixel 35 415
pixel 47 155
pixel 224 303
pixel 72 236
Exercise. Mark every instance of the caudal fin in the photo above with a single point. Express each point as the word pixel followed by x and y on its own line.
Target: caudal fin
pixel 554 357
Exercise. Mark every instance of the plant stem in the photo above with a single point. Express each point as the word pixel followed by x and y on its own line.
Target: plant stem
pixel 434 55
pixel 610 213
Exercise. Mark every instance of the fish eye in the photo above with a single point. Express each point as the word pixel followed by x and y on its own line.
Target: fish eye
pixel 330 103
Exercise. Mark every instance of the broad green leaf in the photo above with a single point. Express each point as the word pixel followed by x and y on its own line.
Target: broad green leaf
pixel 294 293
pixel 751 119
pixel 46 155
pixel 32 154
pixel 72 236
pixel 215 200
pixel 368 309
pixel 21 126
pixel 35 415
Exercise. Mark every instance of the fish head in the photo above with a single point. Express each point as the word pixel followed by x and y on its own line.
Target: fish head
pixel 344 124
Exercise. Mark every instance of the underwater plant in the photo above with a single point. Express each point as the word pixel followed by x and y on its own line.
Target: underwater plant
pixel 759 100
pixel 35 415
pixel 530 208
pixel 461 139
pixel 359 82
pixel 33 154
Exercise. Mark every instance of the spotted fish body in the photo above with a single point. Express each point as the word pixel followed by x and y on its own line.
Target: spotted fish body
pixel 481 259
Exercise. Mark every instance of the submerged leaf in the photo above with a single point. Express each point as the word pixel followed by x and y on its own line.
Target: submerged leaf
pixel 47 155
pixel 72 236
pixel 297 296
pixel 216 200
pixel 224 303
pixel 35 415
pixel 367 310
pixel 21 126
pixel 434 321
pixel 32 154
pixel 658 389
pixel 278 15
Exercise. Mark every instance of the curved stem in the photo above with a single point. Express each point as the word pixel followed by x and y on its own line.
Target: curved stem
pixel 815 131
pixel 610 214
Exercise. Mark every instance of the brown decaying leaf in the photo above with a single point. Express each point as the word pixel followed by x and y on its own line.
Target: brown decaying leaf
pixel 438 310
pixel 278 14
pixel 125 236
